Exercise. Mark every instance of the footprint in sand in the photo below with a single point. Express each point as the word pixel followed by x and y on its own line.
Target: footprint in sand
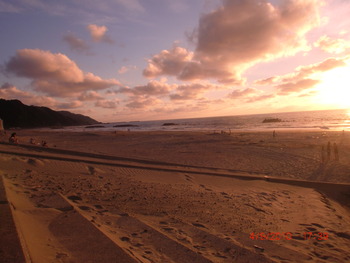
pixel 91 170
pixel 311 229
pixel 188 178
pixel 199 225
pixel 98 207
pixel 74 198
pixel 35 162
pixel 84 208
pixel 341 234
pixel 226 195
pixel 125 239
pixel 205 188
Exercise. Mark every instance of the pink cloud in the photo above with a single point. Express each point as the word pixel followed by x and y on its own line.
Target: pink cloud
pixel 8 91
pixel 40 64
pixel 249 95
pixel 139 102
pixel 125 69
pixel 236 94
pixel 107 104
pixel 190 92
pixel 150 89
pixel 98 33
pixel 238 35
pixel 55 74
pixel 90 95
pixel 168 62
pixel 260 98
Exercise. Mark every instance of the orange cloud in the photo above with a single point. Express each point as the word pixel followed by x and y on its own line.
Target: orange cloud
pixel 249 95
pixel 333 46
pixel 236 94
pixel 304 77
pixel 297 86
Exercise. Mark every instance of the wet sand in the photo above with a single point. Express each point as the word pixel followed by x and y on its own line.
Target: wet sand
pixel 179 196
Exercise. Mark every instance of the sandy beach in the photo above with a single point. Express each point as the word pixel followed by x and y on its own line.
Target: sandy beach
pixel 177 196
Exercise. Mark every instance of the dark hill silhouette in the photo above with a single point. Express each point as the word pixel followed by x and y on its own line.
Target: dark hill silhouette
pixel 16 114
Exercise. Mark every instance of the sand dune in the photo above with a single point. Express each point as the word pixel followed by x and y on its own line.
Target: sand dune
pixel 119 199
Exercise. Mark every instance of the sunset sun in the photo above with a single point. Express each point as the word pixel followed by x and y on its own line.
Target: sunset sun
pixel 334 88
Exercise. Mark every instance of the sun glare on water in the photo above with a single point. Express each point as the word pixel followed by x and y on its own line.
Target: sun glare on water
pixel 334 88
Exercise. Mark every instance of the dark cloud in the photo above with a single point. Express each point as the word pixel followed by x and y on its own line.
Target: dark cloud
pixel 69 105
pixel 76 43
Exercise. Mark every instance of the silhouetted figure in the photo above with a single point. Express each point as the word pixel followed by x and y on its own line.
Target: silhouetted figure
pixel 274 134
pixel 329 151
pixel 336 153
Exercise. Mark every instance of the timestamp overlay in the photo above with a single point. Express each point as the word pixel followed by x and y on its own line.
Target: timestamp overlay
pixel 276 236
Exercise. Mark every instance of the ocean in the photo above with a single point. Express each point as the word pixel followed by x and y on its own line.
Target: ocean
pixel 335 120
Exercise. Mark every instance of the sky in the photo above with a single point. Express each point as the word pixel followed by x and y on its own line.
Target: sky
pixel 133 60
